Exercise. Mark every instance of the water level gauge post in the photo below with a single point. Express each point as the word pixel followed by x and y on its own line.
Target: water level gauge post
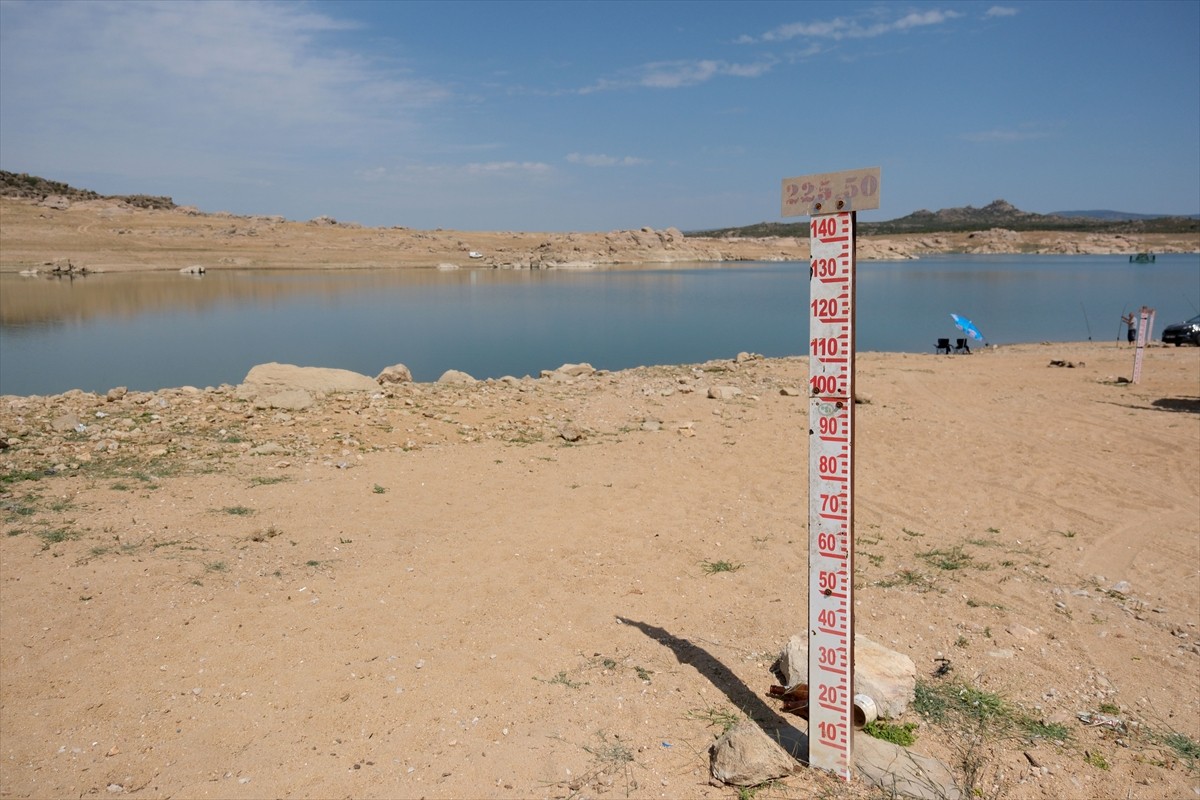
pixel 831 200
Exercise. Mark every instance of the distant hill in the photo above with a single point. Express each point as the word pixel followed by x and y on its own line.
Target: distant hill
pixel 997 214
pixel 31 187
pixel 1117 215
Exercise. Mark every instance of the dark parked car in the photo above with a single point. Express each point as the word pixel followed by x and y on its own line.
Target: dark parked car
pixel 1183 332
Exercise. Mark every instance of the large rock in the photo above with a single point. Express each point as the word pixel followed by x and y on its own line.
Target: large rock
pixel 899 772
pixel 272 379
pixel 745 756
pixel 397 373
pixel 887 677
pixel 289 400
pixel 568 372
pixel 576 370
pixel 455 377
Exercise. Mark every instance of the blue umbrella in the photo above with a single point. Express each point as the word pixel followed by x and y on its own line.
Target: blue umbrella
pixel 966 326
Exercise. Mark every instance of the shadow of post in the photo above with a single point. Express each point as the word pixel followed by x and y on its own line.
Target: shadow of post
pixel 1187 404
pixel 792 739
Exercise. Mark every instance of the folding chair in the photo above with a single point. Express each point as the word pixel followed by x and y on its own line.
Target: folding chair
pixel 943 346
pixel 960 346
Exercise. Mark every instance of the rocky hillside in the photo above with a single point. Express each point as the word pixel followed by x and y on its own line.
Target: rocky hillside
pixel 997 214
pixel 54 193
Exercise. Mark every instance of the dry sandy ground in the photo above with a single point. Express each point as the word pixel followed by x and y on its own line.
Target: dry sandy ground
pixel 429 592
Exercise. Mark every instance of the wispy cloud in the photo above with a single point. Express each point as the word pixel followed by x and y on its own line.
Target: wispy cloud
pixel 265 80
pixel 455 172
pixel 680 73
pixel 862 27
pixel 1001 135
pixel 1001 11
pixel 601 160
pixel 507 168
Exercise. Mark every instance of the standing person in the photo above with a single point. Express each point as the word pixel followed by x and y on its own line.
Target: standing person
pixel 1129 319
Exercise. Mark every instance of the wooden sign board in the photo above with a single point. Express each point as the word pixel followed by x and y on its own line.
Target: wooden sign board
pixel 831 192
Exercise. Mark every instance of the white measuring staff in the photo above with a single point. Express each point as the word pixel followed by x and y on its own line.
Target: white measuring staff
pixel 1145 327
pixel 832 200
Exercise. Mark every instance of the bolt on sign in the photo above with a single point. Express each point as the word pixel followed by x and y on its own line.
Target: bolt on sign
pixel 831 200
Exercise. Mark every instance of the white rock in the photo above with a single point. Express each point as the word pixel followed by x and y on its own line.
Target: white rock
pixel 886 676
pixel 267 379
pixel 453 376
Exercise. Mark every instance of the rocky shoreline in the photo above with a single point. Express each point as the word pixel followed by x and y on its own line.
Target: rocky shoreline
pixel 111 235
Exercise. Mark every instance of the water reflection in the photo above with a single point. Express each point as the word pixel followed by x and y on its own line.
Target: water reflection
pixel 147 331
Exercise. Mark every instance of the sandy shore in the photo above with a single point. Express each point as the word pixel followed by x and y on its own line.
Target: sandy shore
pixel 500 589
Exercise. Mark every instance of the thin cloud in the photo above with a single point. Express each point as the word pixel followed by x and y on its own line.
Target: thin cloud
pixel 680 74
pixel 841 28
pixel 409 172
pixel 601 160
pixel 1001 11
pixel 1003 136
pixel 181 81
pixel 507 168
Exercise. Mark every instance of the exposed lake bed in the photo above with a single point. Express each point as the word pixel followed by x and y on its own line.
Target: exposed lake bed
pixel 502 586
pixel 429 588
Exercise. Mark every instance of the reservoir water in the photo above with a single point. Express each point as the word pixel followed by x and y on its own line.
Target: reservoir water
pixel 150 331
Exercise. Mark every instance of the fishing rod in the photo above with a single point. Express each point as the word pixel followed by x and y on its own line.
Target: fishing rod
pixel 1085 320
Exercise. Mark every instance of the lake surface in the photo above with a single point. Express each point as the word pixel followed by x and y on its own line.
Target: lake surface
pixel 150 331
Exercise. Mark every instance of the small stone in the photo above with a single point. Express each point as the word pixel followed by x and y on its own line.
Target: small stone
pixel 1018 631
pixel 746 756
pixel 723 392
pixel 66 423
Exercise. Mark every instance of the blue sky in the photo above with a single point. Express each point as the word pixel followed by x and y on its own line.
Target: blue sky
pixel 596 116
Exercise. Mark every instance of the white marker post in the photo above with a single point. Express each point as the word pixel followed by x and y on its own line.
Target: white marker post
pixel 1145 327
pixel 831 200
